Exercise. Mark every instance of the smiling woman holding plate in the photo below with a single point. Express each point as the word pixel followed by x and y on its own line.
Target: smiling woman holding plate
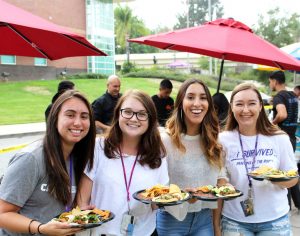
pixel 251 141
pixel 128 159
pixel 194 158
pixel 41 180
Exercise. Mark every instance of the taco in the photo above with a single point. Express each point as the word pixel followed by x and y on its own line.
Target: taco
pixel 226 191
pixel 205 188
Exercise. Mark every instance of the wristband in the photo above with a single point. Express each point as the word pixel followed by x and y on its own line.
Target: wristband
pixel 38 228
pixel 29 227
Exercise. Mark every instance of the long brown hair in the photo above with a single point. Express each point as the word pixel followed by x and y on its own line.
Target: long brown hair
pixel 209 127
pixel 263 125
pixel 151 148
pixel 82 153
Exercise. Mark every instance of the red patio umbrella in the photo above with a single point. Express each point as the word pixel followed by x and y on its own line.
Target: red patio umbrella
pixel 24 34
pixel 226 39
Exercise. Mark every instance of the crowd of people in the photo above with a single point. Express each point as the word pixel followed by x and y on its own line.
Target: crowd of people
pixel 195 141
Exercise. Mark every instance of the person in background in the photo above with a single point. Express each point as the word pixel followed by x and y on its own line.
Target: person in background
pixel 128 159
pixel 250 141
pixel 285 115
pixel 221 105
pixel 41 180
pixel 163 102
pixel 194 157
pixel 297 91
pixel 104 106
pixel 62 87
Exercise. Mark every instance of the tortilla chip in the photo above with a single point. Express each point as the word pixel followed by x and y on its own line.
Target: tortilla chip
pixel 174 189
pixel 103 214
pixel 262 170
pixel 292 173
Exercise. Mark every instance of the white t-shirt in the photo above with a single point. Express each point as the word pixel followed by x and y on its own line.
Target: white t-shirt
pixel 270 200
pixel 109 191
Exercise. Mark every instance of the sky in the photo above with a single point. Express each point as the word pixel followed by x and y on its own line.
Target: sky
pixel 163 12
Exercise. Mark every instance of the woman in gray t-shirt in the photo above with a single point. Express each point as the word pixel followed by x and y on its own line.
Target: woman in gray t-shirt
pixel 40 181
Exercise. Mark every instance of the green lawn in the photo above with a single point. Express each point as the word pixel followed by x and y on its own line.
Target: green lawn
pixel 25 101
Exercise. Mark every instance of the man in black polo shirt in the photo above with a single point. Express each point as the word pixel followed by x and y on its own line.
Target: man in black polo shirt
pixel 163 102
pixel 285 115
pixel 104 106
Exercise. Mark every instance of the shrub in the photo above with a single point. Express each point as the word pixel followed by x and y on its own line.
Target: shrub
pixel 128 67
pixel 86 76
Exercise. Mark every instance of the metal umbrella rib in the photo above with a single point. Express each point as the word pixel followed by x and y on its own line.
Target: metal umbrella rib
pixel 27 40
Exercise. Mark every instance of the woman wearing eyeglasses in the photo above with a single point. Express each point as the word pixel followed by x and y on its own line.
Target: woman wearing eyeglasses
pixel 128 159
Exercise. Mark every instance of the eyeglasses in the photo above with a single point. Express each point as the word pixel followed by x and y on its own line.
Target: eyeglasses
pixel 140 115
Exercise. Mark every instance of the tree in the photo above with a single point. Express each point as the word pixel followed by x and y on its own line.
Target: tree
pixel 139 29
pixel 198 13
pixel 279 30
pixel 123 19
pixel 129 26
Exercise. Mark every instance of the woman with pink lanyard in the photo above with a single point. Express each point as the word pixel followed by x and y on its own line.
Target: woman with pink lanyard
pixel 128 159
pixel 251 141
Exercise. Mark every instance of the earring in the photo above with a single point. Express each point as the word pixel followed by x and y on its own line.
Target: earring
pixel 181 115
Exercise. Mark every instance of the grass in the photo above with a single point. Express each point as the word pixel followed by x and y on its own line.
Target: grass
pixel 25 101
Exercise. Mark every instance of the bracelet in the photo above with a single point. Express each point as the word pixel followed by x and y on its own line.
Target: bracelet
pixel 38 228
pixel 29 227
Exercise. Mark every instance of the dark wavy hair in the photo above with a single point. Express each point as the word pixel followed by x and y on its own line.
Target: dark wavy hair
pixel 151 148
pixel 209 127
pixel 221 105
pixel 263 125
pixel 82 153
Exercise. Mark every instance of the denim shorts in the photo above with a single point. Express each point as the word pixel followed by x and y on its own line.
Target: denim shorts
pixel 280 226
pixel 194 224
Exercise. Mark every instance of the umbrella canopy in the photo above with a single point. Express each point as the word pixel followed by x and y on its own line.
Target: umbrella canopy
pixel 291 49
pixel 24 34
pixel 226 39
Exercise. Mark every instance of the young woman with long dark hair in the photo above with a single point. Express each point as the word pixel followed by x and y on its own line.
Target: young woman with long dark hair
pixel 128 159
pixel 41 180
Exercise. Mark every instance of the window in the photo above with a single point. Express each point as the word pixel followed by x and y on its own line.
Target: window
pixel 40 61
pixel 8 60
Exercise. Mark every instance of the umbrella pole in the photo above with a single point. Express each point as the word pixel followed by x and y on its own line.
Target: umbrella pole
pixel 220 75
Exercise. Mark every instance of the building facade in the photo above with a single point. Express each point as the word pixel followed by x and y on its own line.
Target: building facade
pixel 92 19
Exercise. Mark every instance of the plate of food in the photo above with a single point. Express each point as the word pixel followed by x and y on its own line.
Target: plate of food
pixel 205 193
pixel 85 219
pixel 212 193
pixel 272 174
pixel 162 195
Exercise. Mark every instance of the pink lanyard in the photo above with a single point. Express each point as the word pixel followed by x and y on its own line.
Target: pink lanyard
pixel 124 172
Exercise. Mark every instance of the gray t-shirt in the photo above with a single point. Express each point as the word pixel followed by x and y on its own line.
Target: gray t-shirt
pixel 25 185
pixel 191 169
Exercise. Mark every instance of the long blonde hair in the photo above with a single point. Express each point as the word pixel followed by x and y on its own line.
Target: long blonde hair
pixel 209 128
